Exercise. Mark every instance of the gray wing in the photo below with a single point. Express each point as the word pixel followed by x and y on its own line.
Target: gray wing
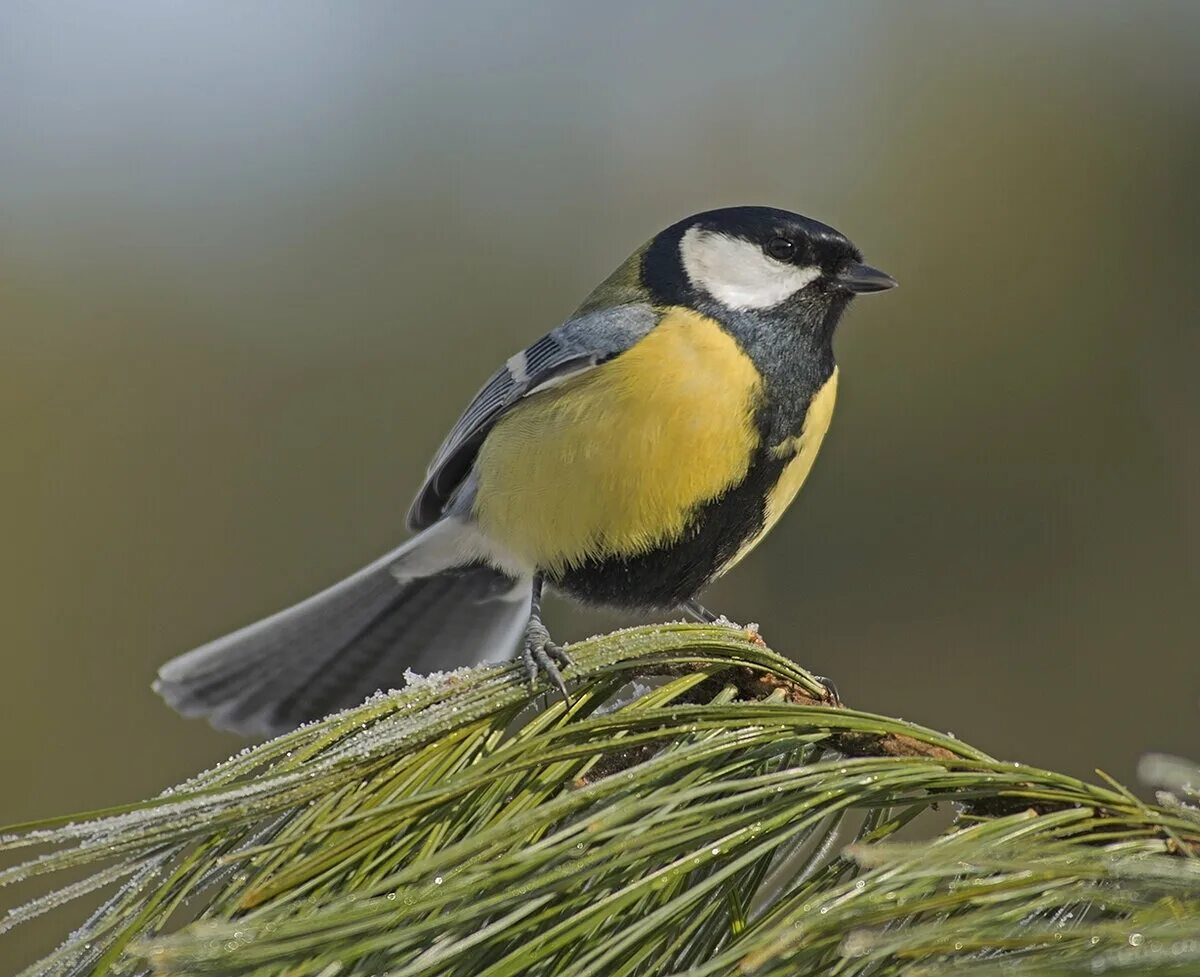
pixel 577 345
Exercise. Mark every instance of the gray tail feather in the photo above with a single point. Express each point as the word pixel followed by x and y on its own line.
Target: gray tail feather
pixel 345 643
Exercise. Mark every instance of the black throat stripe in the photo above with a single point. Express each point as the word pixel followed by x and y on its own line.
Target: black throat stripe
pixel 664 577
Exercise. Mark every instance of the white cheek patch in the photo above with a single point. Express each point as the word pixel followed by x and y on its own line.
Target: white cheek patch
pixel 736 272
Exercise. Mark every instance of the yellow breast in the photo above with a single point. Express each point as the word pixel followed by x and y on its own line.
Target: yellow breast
pixel 615 461
pixel 802 449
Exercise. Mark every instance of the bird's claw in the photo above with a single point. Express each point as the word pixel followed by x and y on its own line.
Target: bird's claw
pixel 540 654
pixel 830 689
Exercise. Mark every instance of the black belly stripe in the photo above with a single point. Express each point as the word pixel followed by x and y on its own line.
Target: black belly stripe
pixel 664 577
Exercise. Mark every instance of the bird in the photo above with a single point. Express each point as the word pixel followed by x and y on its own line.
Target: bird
pixel 627 459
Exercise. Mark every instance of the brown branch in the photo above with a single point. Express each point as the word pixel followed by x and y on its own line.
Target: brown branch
pixel 759 685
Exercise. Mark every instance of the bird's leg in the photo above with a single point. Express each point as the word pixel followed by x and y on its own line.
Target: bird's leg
pixel 539 652
pixel 698 612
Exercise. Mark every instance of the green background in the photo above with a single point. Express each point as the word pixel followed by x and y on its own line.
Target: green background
pixel 254 259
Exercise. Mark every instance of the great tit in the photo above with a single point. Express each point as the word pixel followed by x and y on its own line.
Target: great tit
pixel 627 458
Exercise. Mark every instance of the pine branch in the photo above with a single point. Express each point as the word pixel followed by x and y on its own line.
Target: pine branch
pixel 699 806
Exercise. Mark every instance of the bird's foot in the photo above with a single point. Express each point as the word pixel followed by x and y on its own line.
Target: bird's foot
pixel 540 654
pixel 698 612
pixel 830 690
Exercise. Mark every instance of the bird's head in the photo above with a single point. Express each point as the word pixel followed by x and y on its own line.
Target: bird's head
pixel 757 259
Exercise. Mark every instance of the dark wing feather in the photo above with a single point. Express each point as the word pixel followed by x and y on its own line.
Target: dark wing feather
pixel 577 345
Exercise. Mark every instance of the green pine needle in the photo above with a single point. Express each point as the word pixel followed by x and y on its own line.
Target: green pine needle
pixel 698 807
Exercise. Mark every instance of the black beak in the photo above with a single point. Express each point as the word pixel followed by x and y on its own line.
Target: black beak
pixel 860 278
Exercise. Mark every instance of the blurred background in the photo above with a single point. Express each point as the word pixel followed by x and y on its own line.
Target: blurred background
pixel 254 259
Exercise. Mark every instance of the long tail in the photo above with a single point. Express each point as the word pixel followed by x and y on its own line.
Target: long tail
pixel 341 645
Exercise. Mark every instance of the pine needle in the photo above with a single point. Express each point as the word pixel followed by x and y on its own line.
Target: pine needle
pixel 687 812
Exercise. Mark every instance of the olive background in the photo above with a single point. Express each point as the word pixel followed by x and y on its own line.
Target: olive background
pixel 255 258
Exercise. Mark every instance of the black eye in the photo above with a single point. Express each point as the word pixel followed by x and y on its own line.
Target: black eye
pixel 781 248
